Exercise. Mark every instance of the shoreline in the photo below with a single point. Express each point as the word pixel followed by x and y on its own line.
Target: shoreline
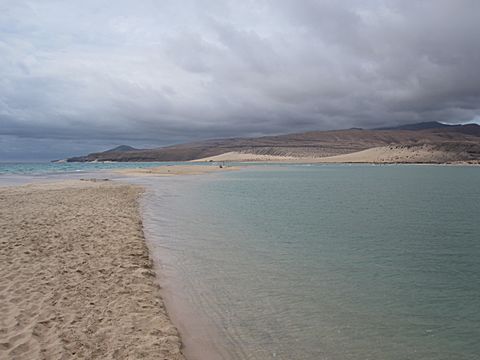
pixel 174 170
pixel 68 216
pixel 76 276
pixel 393 154
pixel 199 337
pixel 40 312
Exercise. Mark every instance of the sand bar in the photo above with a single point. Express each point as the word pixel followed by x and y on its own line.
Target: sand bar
pixel 171 170
pixel 76 280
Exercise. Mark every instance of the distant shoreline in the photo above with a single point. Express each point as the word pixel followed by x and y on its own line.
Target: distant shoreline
pixel 378 155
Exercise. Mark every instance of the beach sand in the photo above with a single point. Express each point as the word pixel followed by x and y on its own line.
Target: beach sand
pixel 171 170
pixel 76 280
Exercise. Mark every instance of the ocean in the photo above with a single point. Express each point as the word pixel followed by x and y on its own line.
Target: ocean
pixel 312 262
pixel 321 262
pixel 16 173
pixel 51 168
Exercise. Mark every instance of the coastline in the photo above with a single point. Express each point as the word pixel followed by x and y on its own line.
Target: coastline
pixel 76 276
pixel 378 155
pixel 200 338
pixel 72 218
pixel 62 272
pixel 173 170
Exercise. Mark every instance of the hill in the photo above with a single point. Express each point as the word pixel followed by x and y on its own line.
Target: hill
pixel 418 126
pixel 121 148
pixel 314 144
pixel 471 129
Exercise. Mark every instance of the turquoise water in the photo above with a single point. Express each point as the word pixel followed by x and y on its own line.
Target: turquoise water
pixel 322 262
pixel 53 168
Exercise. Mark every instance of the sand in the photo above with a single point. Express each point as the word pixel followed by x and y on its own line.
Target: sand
pixel 379 155
pixel 172 170
pixel 233 156
pixel 76 280
pixel 394 154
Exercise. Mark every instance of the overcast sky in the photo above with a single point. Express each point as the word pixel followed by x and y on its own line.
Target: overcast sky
pixel 80 76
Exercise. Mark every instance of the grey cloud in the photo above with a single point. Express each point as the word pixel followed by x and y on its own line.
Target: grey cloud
pixel 164 72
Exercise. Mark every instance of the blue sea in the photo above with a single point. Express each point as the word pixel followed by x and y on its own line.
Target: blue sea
pixel 24 172
pixel 331 262
pixel 47 168
pixel 322 262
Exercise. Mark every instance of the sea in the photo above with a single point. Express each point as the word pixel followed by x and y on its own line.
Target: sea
pixel 13 173
pixel 320 261
pixel 55 168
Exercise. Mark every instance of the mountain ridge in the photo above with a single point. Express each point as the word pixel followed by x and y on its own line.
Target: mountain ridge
pixel 417 126
pixel 122 148
pixel 311 144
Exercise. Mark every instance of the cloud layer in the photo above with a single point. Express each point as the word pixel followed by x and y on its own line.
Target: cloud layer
pixel 161 72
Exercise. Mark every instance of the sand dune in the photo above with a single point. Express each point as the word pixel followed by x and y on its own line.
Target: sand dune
pixel 76 281
pixel 427 153
pixel 393 154
pixel 245 157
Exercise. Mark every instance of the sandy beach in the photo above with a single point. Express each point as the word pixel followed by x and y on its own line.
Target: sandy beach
pixel 76 279
pixel 172 170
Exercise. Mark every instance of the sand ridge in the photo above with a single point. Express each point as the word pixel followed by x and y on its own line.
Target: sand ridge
pixel 76 280
pixel 172 170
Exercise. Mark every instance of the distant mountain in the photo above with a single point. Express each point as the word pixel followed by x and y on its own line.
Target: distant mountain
pixel 471 129
pixel 417 126
pixel 309 144
pixel 121 148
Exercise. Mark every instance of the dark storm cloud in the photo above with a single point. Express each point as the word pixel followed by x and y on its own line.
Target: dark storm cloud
pixel 150 72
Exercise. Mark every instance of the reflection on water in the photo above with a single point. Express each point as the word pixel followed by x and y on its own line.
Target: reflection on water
pixel 321 262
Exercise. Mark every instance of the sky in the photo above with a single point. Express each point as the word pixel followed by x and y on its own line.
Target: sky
pixel 83 76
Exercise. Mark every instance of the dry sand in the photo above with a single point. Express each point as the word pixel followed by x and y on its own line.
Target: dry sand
pixel 170 170
pixel 421 154
pixel 393 154
pixel 76 280
pixel 246 157
pixel 377 155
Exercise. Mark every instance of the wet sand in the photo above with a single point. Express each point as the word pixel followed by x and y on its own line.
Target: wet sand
pixel 76 279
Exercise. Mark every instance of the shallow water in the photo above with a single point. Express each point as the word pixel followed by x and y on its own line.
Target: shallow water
pixel 49 168
pixel 322 262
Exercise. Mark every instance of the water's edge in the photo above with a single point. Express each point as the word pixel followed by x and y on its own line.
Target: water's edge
pixel 196 336
pixel 175 232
